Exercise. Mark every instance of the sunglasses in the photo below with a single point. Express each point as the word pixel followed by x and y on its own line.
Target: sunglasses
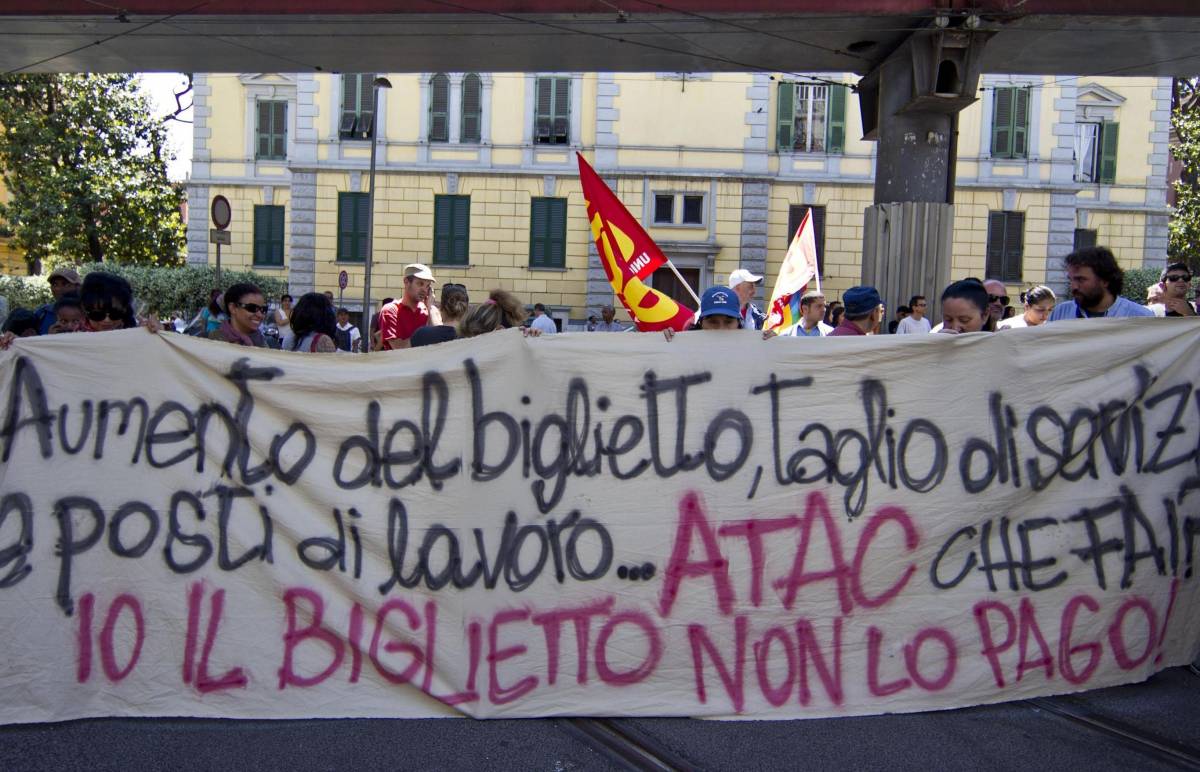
pixel 1001 299
pixel 1177 277
pixel 98 314
pixel 253 308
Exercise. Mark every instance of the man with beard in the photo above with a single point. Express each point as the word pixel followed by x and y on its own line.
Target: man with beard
pixel 1095 280
pixel 401 318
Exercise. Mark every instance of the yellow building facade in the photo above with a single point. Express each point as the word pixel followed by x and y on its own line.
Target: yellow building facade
pixel 477 176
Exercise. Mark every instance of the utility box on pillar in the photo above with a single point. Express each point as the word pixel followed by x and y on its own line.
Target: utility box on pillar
pixel 910 105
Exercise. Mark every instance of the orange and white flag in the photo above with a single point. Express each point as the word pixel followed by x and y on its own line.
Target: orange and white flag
pixel 798 269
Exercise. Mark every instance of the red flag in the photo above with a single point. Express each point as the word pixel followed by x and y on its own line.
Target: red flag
pixel 629 256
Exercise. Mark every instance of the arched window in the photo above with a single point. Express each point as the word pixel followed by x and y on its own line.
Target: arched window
pixel 472 109
pixel 439 108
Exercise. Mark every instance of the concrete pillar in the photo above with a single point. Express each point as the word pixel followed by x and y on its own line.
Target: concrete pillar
pixel 910 105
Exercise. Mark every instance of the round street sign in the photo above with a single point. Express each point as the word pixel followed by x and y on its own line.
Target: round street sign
pixel 221 212
pixel 343 280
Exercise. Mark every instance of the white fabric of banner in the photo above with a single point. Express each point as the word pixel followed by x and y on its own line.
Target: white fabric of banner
pixel 596 524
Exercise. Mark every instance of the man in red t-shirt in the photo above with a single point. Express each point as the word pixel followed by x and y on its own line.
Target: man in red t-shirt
pixel 400 319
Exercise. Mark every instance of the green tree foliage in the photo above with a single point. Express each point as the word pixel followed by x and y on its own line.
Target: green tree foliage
pixel 1185 219
pixel 84 161
pixel 156 289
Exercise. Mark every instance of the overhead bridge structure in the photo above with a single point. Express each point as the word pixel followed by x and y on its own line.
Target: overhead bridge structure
pixel 919 61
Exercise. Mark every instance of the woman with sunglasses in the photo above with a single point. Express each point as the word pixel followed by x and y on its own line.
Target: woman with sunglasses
pixel 107 301
pixel 245 309
pixel 1039 302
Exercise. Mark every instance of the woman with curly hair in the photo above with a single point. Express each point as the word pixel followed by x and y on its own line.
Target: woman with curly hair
pixel 314 324
pixel 454 304
pixel 500 311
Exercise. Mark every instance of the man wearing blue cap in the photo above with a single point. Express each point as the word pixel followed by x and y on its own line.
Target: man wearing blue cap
pixel 864 311
pixel 720 309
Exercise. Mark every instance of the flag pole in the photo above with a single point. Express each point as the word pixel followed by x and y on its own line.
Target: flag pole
pixel 817 273
pixel 682 281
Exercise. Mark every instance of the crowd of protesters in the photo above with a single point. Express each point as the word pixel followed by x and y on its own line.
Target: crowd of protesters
pixel 241 315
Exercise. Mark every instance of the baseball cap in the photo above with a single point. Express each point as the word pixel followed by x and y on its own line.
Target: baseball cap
pixel 720 301
pixel 741 275
pixel 1177 266
pixel 419 270
pixel 67 274
pixel 861 301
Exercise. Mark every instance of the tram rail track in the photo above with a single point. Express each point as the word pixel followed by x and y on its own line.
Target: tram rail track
pixel 626 749
pixel 630 749
pixel 1119 731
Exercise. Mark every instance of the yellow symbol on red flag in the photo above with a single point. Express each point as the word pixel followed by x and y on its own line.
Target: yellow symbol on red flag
pixel 629 256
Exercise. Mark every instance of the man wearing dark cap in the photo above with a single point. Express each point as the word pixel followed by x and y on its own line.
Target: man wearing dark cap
pixel 864 311
pixel 1176 283
pixel 63 282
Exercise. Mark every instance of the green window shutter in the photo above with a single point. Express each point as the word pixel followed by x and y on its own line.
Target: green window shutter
pixel 262 227
pixel 556 242
pixel 1020 123
pixel 538 228
pixel 280 130
pixel 543 121
pixel 276 254
pixel 439 108
pixel 835 120
pixel 349 104
pixel 786 116
pixel 1108 153
pixel 262 130
pixel 548 233
pixel 460 233
pixel 1002 118
pixel 1014 246
pixel 345 242
pixel 268 235
pixel 443 214
pixel 362 217
pixel 352 226
pixel 995 244
pixel 472 109
pixel 562 111
pixel 366 118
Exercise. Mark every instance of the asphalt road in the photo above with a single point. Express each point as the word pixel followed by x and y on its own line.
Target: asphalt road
pixel 1150 726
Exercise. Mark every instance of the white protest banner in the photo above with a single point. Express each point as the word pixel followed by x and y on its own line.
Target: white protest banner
pixel 596 524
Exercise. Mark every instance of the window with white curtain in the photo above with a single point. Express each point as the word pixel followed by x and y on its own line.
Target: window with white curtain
pixel 1087 151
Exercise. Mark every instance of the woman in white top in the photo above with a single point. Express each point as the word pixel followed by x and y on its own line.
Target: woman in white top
pixel 1039 302
pixel 283 322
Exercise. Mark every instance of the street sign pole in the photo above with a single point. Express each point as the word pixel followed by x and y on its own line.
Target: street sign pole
pixel 379 83
pixel 221 213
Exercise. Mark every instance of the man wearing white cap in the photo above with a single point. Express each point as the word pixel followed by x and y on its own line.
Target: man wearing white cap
pixel 745 284
pixel 410 312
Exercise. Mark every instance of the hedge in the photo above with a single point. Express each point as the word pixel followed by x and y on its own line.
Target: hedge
pixel 162 290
